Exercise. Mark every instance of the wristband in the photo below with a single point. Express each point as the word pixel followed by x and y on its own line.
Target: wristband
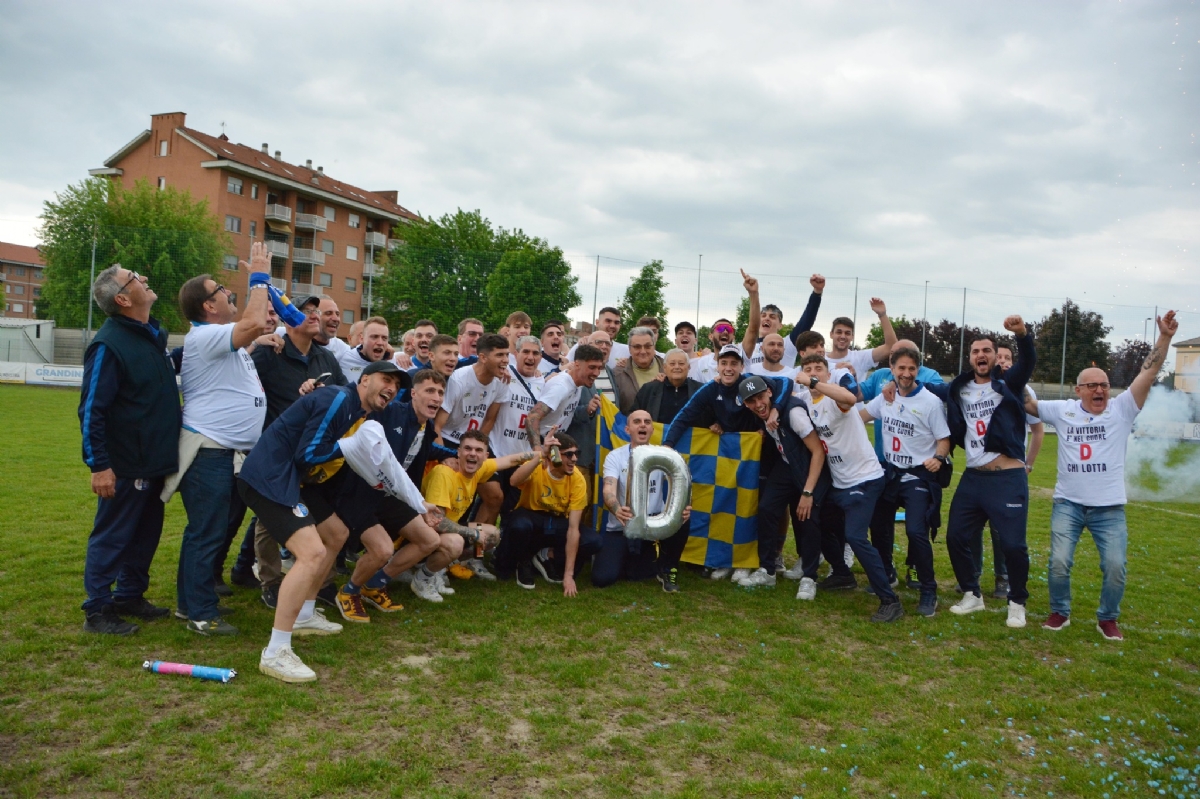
pixel 260 279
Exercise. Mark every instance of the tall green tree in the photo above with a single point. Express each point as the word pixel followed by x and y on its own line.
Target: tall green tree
pixel 644 297
pixel 460 266
pixel 1085 338
pixel 164 234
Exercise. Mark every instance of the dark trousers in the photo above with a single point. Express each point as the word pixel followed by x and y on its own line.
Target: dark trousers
pixel 914 496
pixel 622 559
pixel 526 532
pixel 883 534
pixel 245 558
pixel 122 544
pixel 999 568
pixel 832 523
pixel 1001 498
pixel 205 489
pixel 776 498
pixel 858 504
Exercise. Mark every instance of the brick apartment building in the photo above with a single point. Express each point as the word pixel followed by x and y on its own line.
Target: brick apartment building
pixel 326 237
pixel 22 273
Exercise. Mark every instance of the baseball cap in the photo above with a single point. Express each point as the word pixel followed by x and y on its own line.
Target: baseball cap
pixel 685 325
pixel 731 349
pixel 750 386
pixel 306 299
pixel 388 368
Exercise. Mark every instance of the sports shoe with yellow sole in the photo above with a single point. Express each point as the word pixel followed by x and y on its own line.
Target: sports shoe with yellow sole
pixel 351 607
pixel 381 599
pixel 460 572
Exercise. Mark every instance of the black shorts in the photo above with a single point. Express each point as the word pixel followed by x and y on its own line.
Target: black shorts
pixel 393 515
pixel 282 522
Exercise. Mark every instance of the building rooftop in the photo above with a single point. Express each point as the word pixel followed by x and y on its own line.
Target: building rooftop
pixel 1191 342
pixel 20 254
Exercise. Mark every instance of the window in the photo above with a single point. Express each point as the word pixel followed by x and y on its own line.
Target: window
pixel 18 289
pixel 37 273
pixel 325 279
pixel 351 284
pixel 233 224
pixel 233 185
pixel 8 288
pixel 253 229
pixel 348 317
pixel 331 213
pixel 19 271
pixel 354 220
pixel 19 307
pixel 327 246
pixel 162 183
pixel 230 262
pixel 162 147
pixel 301 206
pixel 351 252
pixel 253 191
pixel 37 291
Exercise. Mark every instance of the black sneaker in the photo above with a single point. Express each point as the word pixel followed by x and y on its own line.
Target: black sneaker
pixel 140 609
pixel 220 588
pixel 328 595
pixel 548 568
pixel 526 576
pixel 106 621
pixel 1001 591
pixel 245 579
pixel 669 580
pixel 182 615
pixel 217 626
pixel 928 606
pixel 835 582
pixel 270 595
pixel 892 611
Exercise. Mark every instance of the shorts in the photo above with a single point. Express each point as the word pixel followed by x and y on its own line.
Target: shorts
pixel 393 515
pixel 282 522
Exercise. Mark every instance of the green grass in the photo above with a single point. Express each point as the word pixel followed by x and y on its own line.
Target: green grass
pixel 501 691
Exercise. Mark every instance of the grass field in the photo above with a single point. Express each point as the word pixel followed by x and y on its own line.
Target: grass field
pixel 501 691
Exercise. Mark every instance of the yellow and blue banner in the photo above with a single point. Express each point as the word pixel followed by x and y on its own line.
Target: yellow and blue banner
pixel 724 501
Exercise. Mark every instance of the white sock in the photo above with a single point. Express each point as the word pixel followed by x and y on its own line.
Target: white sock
pixel 544 553
pixel 306 610
pixel 426 571
pixel 279 639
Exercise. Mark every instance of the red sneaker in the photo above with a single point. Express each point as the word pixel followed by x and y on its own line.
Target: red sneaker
pixel 1056 622
pixel 1110 630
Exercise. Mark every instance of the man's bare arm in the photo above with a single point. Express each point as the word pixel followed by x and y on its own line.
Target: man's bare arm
pixel 439 421
pixel 751 337
pixel 889 334
pixel 1168 326
pixel 533 423
pixel 489 418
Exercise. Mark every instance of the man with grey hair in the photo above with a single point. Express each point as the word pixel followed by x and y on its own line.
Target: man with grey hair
pixel 129 417
pixel 664 398
pixel 644 366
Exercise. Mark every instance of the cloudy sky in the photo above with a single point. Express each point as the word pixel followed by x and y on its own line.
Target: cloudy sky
pixel 1037 150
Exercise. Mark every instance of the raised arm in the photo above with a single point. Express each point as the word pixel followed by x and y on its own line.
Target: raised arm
pixel 509 461
pixel 751 336
pixel 254 315
pixel 809 317
pixel 533 424
pixel 1016 377
pixel 1168 326
pixel 885 324
pixel 843 397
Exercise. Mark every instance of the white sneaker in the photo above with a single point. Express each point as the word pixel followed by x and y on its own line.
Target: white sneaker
pixel 481 571
pixel 758 578
pixel 968 604
pixel 442 583
pixel 808 589
pixel 794 573
pixel 425 587
pixel 1016 615
pixel 316 625
pixel 720 574
pixel 286 666
pixel 739 575
pixel 848 556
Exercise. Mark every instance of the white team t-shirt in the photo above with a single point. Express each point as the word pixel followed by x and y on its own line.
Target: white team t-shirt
pixel 352 362
pixel 704 368
pixel 549 367
pixel 508 436
pixel 848 451
pixel 979 402
pixel 616 465
pixel 760 369
pixel 911 427
pixel 467 401
pixel 561 396
pixel 222 395
pixel 789 356
pixel 862 361
pixel 801 424
pixel 1091 449
pixel 619 351
pixel 338 348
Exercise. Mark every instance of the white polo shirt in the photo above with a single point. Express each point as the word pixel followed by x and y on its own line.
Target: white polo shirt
pixel 223 398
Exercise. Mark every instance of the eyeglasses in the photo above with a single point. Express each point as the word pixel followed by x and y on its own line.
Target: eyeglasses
pixel 311 310
pixel 723 329
pixel 1093 386
pixel 218 290
pixel 132 277
pixel 570 454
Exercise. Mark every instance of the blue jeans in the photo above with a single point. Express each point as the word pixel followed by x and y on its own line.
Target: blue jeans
pixel 206 488
pixel 123 542
pixel 858 504
pixel 1107 526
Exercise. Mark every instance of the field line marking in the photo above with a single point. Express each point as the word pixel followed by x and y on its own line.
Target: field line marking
pixel 1165 510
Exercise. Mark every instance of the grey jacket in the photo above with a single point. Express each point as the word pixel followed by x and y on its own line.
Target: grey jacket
pixel 626 384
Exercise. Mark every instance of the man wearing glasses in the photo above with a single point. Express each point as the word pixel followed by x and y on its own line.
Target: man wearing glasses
pixel 129 418
pixel 223 411
pixel 1090 489
pixel 704 368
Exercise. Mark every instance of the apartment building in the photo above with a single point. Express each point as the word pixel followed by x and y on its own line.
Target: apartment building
pixel 22 273
pixel 326 237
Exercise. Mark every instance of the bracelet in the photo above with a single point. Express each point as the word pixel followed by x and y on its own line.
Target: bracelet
pixel 259 286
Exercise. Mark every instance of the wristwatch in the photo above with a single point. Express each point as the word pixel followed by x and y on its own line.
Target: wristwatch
pixel 812 383
pixel 806 493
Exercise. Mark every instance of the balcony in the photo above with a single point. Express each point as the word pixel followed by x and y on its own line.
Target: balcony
pixel 278 249
pixel 375 240
pixel 280 284
pixel 394 243
pixel 372 270
pixel 303 255
pixel 310 222
pixel 304 290
pixel 279 213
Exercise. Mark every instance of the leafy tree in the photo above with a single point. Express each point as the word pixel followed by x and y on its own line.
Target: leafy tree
pixel 164 234
pixel 643 297
pixel 741 320
pixel 941 341
pixel 1086 344
pixel 537 280
pixel 1127 361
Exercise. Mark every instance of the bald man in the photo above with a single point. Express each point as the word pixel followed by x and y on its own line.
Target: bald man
pixel 1090 489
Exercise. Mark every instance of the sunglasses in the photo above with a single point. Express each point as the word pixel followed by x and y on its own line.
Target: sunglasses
pixel 217 291
pixel 132 277
pixel 1093 386
pixel 570 454
pixel 723 329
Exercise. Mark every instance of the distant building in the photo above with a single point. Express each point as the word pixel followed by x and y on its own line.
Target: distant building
pixel 1187 366
pixel 22 273
pixel 326 237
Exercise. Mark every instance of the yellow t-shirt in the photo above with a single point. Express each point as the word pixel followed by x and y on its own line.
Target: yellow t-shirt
pixel 545 494
pixel 453 490
pixel 323 471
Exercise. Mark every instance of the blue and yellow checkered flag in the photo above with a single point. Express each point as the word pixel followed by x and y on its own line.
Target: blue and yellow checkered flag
pixel 724 488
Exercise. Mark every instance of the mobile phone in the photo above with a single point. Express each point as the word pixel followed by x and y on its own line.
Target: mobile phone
pixel 321 378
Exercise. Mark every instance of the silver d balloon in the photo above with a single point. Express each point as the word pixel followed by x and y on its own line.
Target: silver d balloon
pixel 642 461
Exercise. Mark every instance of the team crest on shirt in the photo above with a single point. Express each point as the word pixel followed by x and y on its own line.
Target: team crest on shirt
pixel 140 484
pixel 301 510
